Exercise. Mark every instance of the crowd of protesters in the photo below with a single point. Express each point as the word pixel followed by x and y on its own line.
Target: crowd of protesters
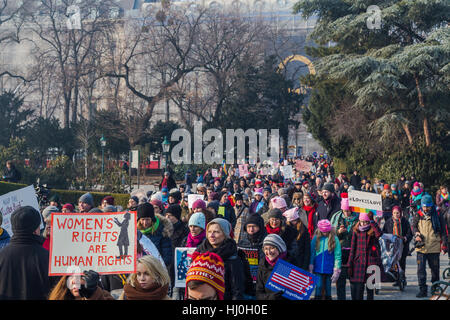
pixel 305 220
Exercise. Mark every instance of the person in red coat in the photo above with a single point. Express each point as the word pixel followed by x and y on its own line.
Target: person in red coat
pixel 364 252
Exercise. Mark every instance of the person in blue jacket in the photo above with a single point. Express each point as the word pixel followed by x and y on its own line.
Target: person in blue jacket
pixel 325 259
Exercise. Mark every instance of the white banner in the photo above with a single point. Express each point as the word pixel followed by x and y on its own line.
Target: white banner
pixel 192 198
pixel 103 242
pixel 287 172
pixel 13 200
pixel 366 200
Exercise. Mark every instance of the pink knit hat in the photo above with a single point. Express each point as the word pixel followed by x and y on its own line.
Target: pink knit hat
pixel 258 191
pixel 364 217
pixel 324 225
pixel 344 204
pixel 199 203
pixel 416 184
pixel 291 214
pixel 278 203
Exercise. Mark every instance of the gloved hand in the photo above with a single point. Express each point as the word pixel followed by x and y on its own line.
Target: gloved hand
pixel 336 274
pixel 311 268
pixel 91 278
pixel 277 295
pixel 444 248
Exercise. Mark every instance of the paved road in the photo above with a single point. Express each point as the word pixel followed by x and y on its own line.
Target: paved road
pixel 388 292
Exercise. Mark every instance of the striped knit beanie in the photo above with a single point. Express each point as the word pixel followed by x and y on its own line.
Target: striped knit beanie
pixel 207 267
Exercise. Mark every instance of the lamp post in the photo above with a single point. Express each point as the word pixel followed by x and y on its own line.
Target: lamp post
pixel 103 145
pixel 165 147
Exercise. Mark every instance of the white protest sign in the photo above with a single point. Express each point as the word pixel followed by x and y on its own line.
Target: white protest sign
pixel 243 170
pixel 150 249
pixel 182 263
pixel 13 200
pixel 192 198
pixel 103 242
pixel 366 200
pixel 287 172
pixel 214 173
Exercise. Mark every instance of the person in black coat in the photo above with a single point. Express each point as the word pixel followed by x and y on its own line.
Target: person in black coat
pixel 168 181
pixel 24 263
pixel 302 248
pixel 11 174
pixel 218 241
pixel 274 249
pixel 328 206
pixel 355 180
pixel 399 226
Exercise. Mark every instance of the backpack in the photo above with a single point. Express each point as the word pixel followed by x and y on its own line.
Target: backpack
pixel 249 285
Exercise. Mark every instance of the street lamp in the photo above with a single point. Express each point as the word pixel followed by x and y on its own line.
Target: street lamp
pixel 165 147
pixel 103 145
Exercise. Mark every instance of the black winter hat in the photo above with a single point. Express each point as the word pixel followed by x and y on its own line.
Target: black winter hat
pixel 275 213
pixel 328 187
pixel 254 219
pixel 25 220
pixel 176 195
pixel 238 196
pixel 146 210
pixel 175 210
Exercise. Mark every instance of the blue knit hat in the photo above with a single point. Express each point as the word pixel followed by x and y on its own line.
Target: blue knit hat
pixel 87 198
pixel 426 201
pixel 198 219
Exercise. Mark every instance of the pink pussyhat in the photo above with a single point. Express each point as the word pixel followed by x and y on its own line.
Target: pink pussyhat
pixel 278 203
pixel 344 204
pixel 324 225
pixel 364 217
pixel 291 214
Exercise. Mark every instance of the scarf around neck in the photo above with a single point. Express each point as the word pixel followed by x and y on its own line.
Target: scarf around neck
pixel 280 256
pixel 350 221
pixel 364 228
pixel 152 228
pixel 271 230
pixel 194 241
pixel 138 293
pixel 397 229
pixel 444 196
pixel 415 194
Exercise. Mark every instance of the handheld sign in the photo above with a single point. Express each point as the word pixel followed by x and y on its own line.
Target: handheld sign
pixel 150 249
pixel 287 172
pixel 103 242
pixel 13 200
pixel 192 198
pixel 182 263
pixel 243 170
pixel 360 201
pixel 214 173
pixel 296 283
pixel 302 165
pixel 252 258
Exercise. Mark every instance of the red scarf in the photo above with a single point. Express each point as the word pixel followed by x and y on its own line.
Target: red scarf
pixel 310 210
pixel 164 183
pixel 46 244
pixel 271 230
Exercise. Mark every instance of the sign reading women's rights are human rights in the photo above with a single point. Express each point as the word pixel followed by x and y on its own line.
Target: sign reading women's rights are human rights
pixel 103 242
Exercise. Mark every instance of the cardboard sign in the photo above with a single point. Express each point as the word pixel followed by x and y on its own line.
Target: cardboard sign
pixel 243 170
pixel 302 165
pixel 296 283
pixel 182 263
pixel 192 198
pixel 214 173
pixel 252 258
pixel 103 242
pixel 360 201
pixel 13 200
pixel 287 172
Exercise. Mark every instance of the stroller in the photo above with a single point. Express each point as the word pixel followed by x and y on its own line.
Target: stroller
pixel 391 252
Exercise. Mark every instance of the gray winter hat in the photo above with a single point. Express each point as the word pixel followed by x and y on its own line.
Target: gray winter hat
pixel 110 208
pixel 87 198
pixel 48 211
pixel 224 225
pixel 276 241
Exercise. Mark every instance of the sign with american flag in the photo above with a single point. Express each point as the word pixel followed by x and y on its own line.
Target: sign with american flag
pixel 296 283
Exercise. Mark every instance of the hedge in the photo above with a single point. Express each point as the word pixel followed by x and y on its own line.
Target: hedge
pixel 71 196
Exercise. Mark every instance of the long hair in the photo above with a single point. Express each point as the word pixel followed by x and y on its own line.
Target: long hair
pixel 60 291
pixel 331 239
pixel 370 233
pixel 300 229
pixel 155 269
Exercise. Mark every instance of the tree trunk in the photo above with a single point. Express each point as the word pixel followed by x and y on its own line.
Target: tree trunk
pixel 426 129
pixel 408 133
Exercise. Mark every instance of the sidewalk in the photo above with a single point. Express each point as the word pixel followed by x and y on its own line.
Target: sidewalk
pixel 388 292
